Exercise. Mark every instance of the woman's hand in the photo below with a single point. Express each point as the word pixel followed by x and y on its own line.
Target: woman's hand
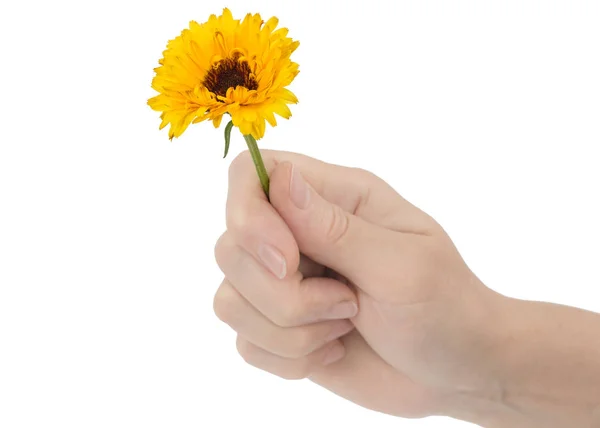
pixel 341 280
pixel 380 308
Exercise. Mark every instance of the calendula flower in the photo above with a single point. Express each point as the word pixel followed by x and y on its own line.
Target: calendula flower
pixel 226 66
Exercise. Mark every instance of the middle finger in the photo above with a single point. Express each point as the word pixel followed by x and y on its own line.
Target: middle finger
pixel 287 302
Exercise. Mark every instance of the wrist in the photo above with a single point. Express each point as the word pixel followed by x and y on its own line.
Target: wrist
pixel 484 400
pixel 548 361
pixel 489 411
pixel 540 368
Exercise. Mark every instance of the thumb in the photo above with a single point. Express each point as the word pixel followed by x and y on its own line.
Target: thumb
pixel 363 252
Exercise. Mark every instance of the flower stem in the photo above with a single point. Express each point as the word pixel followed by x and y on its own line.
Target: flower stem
pixel 258 163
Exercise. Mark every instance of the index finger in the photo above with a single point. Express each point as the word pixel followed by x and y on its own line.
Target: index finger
pixel 256 225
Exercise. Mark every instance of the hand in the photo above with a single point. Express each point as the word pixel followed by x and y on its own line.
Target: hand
pixel 341 280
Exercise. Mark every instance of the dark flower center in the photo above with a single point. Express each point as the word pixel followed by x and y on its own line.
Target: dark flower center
pixel 229 73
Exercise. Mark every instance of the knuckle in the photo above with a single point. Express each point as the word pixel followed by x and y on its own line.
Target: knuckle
pixel 238 221
pixel 337 225
pixel 224 303
pixel 366 180
pixel 287 315
pixel 246 350
pixel 288 369
pixel 365 175
pixel 302 344
pixel 293 369
pixel 220 249
pixel 239 161
pixel 297 373
pixel 226 252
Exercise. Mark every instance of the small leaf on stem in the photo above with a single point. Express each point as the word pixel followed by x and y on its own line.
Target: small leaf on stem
pixel 227 137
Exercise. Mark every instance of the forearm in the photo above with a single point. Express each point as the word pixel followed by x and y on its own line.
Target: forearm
pixel 545 366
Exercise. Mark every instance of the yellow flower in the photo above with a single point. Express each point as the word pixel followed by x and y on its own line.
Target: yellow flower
pixel 226 66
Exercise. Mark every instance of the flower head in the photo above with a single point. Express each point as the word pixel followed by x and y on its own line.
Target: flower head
pixel 226 66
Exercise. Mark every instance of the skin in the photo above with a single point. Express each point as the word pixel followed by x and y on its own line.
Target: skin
pixel 340 280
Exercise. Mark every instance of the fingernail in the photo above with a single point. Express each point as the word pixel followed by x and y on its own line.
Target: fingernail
pixel 336 353
pixel 273 260
pixel 344 327
pixel 299 192
pixel 342 310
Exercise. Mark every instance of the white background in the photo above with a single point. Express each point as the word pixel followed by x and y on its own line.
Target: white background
pixel 484 114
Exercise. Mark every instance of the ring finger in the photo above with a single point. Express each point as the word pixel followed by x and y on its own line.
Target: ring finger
pixel 289 342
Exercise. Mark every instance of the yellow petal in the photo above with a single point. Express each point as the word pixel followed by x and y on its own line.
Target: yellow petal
pixel 249 114
pixel 217 121
pixel 282 110
pixel 182 97
pixel 270 117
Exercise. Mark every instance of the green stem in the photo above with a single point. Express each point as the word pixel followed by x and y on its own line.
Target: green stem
pixel 258 163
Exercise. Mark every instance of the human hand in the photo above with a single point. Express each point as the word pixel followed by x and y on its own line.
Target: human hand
pixel 380 308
